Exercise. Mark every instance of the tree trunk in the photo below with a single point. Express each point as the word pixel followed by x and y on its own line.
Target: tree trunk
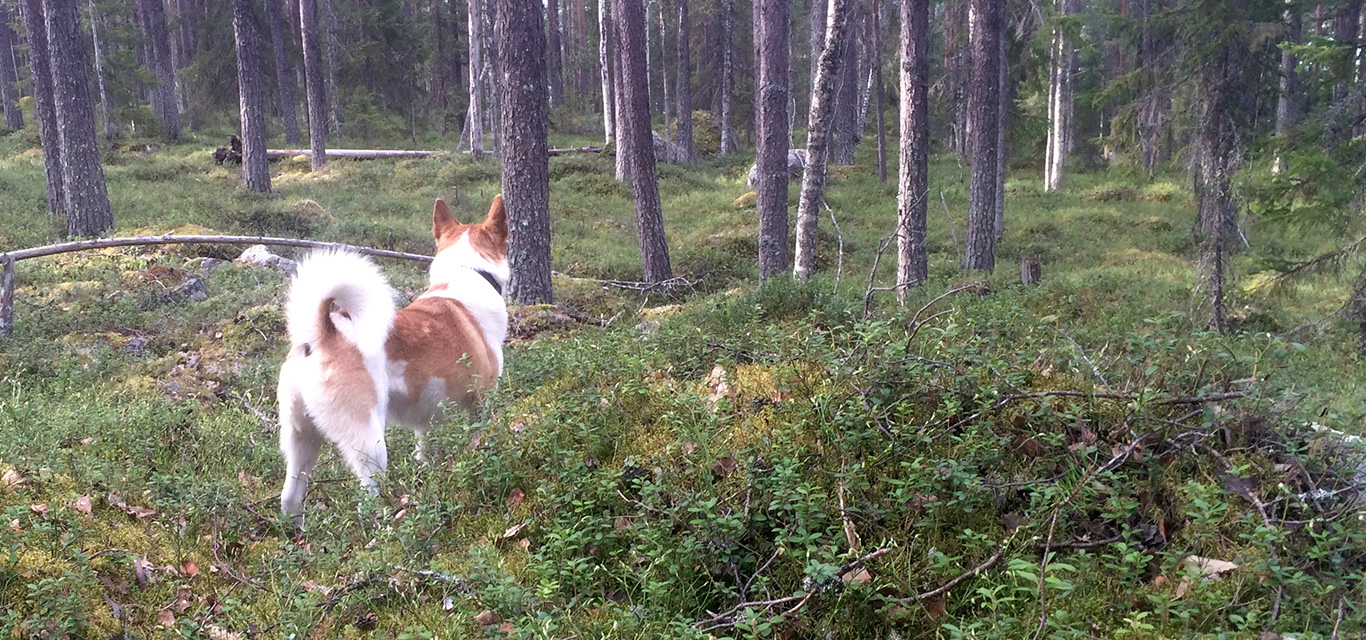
pixel 177 54
pixel 727 77
pixel 1287 102
pixel 1003 97
pixel 619 62
pixel 45 110
pixel 667 103
pixel 683 86
pixel 818 123
pixel 95 23
pixel 314 82
pixel 526 147
pixel 654 250
pixel 554 58
pixel 846 114
pixel 84 197
pixel 284 69
pixel 955 74
pixel 1060 103
pixel 606 57
pixel 250 90
pixel 819 23
pixel 1345 30
pixel 877 63
pixel 162 67
pixel 771 34
pixel 912 268
pixel 9 73
pixel 331 62
pixel 474 23
pixel 985 109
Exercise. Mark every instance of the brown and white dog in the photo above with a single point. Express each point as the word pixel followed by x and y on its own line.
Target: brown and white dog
pixel 356 365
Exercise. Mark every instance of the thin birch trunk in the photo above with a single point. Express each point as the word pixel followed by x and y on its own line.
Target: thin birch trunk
pixel 818 121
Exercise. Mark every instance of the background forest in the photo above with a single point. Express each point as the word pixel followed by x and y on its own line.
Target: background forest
pixel 955 319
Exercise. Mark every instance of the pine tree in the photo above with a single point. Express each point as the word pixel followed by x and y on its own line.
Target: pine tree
pixel 476 116
pixel 526 149
pixel 554 59
pixel 771 31
pixel 913 184
pixel 250 87
pixel 284 69
pixel 159 50
pixel 654 249
pixel 9 74
pixel 85 199
pixel 683 86
pixel 727 75
pixel 45 109
pixel 314 82
pixel 985 111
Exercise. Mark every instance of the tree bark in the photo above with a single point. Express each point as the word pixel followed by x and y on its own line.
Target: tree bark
pixel 727 77
pixel 84 196
pixel 772 33
pixel 619 62
pixel 667 103
pixel 1059 101
pixel 1287 102
pixel 846 114
pixel 95 22
pixel 878 90
pixel 955 73
pixel 250 91
pixel 160 62
pixel 40 69
pixel 654 249
pixel 9 73
pixel 314 83
pixel 1003 98
pixel 525 149
pixel 284 69
pixel 606 58
pixel 819 22
pixel 913 157
pixel 474 24
pixel 554 57
pixel 684 86
pixel 331 61
pixel 817 139
pixel 985 109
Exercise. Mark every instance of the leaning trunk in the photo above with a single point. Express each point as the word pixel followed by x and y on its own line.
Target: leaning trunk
pixel 250 90
pixel 84 196
pixel 912 266
pixel 654 250
pixel 818 123
pixel 525 151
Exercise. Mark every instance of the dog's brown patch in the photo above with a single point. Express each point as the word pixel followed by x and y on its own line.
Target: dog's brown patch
pixel 438 338
pixel 345 377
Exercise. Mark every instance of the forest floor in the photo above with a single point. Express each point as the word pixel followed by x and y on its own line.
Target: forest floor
pixel 717 459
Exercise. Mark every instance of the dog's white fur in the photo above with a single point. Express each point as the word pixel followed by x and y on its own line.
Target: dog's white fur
pixel 340 302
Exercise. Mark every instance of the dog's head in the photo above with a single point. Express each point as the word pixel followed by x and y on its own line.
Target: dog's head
pixel 482 246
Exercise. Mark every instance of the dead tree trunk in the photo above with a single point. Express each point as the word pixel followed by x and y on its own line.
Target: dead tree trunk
pixel 771 27
pixel 40 69
pixel 654 249
pixel 818 122
pixel 476 119
pixel 985 109
pixel 284 69
pixel 9 73
pixel 166 108
pixel 85 198
pixel 1062 53
pixel 525 149
pixel 250 90
pixel 314 83
pixel 683 86
pixel 727 79
pixel 912 266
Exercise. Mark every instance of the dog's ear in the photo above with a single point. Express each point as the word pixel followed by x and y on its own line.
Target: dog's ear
pixel 497 218
pixel 442 220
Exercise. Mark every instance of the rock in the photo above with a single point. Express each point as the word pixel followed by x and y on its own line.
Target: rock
pixel 206 266
pixel 666 151
pixel 796 164
pixel 258 255
pixel 193 290
pixel 487 618
pixel 747 200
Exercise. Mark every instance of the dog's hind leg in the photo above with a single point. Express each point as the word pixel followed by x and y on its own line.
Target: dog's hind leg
pixel 299 442
pixel 366 454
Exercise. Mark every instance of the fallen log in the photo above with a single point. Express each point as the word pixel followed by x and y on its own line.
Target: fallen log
pixel 568 150
pixel 8 259
pixel 354 154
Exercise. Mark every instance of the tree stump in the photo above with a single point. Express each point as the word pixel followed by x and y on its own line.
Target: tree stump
pixel 7 299
pixel 1030 271
pixel 231 153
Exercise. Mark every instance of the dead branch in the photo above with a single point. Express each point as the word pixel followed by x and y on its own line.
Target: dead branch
pixel 839 235
pixel 104 243
pixel 913 327
pixel 676 282
pixel 872 276
pixel 730 617
pixel 975 571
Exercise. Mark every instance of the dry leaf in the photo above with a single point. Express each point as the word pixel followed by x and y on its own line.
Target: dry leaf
pixel 512 531
pixel 524 543
pixel 723 467
pixel 141 572
pixel 515 498
pixel 858 577
pixel 165 618
pixel 219 633
pixel 447 604
pixel 1160 581
pixel 518 427
pixel 622 525
pixel 39 508
pixel 398 517
pixel 935 606
pixel 476 439
pixel 83 504
pixel 487 617
pixel 87 441
pixel 11 478
pixel 687 447
pixel 312 585
pixel 189 568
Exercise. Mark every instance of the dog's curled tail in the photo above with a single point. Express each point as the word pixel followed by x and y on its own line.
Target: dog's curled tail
pixel 340 292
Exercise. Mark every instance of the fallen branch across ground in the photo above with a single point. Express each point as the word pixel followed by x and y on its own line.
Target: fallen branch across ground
pixel 676 282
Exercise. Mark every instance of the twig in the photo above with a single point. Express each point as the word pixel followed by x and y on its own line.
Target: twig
pixel 977 570
pixel 839 235
pixel 1342 601
pixel 728 619
pixel 850 534
pixel 872 274
pixel 913 327
pixel 1094 369
pixel 226 568
pixel 953 231
pixel 675 282
pixel 105 243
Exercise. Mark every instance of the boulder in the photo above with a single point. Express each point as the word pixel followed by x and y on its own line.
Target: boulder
pixel 258 255
pixel 796 164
